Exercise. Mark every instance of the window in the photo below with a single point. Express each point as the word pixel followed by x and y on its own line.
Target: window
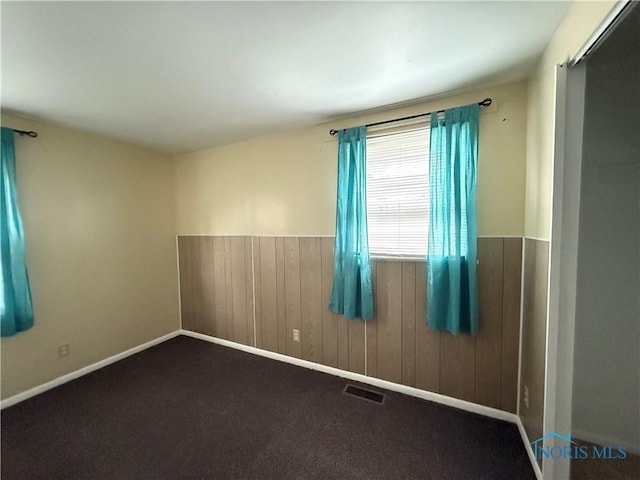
pixel 398 192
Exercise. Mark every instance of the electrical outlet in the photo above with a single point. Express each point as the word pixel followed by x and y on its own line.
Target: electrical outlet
pixel 63 350
pixel 525 398
pixel 296 335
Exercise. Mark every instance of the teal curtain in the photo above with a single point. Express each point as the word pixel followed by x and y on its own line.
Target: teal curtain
pixel 452 287
pixel 351 292
pixel 16 312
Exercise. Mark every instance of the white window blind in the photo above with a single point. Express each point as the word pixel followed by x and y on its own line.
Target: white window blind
pixel 398 192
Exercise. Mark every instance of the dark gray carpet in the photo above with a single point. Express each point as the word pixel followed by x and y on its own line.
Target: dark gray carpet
pixel 191 409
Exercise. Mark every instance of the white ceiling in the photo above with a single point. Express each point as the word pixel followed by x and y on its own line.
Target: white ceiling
pixel 185 76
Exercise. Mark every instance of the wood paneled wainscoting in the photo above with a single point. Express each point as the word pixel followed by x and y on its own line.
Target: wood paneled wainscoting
pixel 257 290
pixel 534 334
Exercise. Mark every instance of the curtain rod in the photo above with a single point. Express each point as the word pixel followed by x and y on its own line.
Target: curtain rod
pixel 28 133
pixel 484 103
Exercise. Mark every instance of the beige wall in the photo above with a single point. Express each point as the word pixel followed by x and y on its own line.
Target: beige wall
pixel 285 184
pixel 99 223
pixel 580 22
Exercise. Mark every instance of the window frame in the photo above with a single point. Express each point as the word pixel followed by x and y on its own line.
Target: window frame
pixel 423 124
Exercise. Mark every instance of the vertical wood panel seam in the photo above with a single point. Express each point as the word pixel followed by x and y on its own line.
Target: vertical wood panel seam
pixel 439 338
pixel 284 282
pixel 415 321
pixel 275 273
pixel 275 279
pixel 281 292
pixel 179 282
pixel 402 312
pixel 524 243
pixel 228 295
pixel 511 325
pixel 299 298
pixel 321 303
pixel 324 361
pixel 365 346
pixel 501 327
pixel 253 293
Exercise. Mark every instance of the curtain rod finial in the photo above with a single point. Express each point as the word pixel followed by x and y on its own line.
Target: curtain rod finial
pixel 28 133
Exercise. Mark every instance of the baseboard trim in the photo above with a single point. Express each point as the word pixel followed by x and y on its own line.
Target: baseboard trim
pixel 32 392
pixel 358 377
pixel 527 445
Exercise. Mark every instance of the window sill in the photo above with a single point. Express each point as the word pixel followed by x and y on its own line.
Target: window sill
pixel 394 258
